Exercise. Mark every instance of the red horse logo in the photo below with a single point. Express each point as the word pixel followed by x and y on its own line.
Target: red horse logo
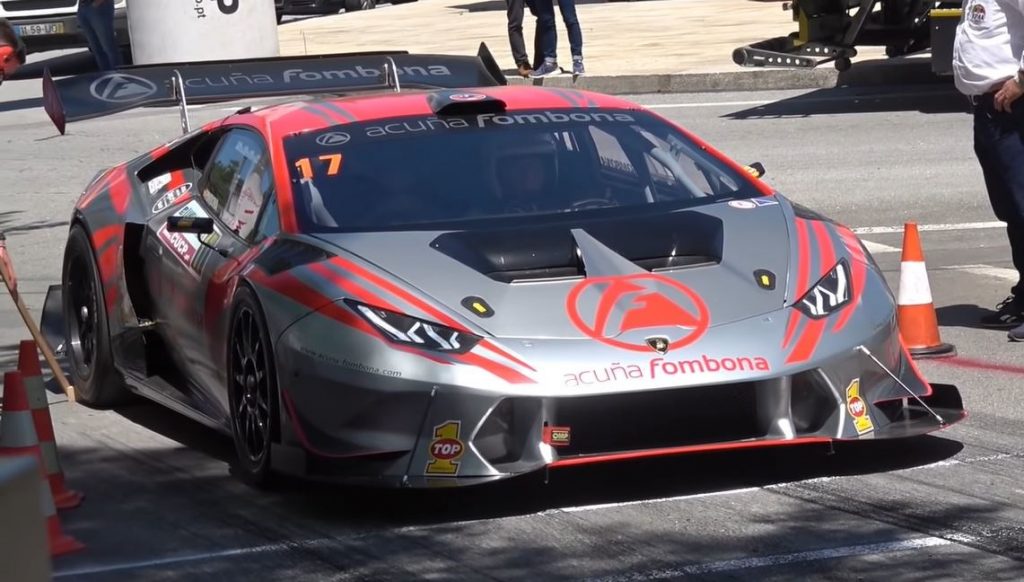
pixel 643 306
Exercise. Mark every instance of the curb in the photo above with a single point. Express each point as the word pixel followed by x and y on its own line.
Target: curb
pixel 915 71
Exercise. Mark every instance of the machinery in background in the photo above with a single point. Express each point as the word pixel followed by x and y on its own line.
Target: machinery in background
pixel 830 31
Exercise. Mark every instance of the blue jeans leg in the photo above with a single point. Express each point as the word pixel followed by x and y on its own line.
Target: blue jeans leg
pixel 572 26
pixel 999 145
pixel 97 24
pixel 546 28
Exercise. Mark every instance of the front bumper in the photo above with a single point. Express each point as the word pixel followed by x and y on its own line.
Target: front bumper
pixel 35 31
pixel 367 428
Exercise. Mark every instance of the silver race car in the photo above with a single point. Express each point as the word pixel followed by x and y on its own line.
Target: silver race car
pixel 441 279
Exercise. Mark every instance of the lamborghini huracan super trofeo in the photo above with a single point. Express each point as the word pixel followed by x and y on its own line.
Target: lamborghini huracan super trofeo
pixel 457 284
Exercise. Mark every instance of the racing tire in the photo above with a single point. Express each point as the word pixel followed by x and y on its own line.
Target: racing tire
pixel 252 390
pixel 96 380
pixel 357 5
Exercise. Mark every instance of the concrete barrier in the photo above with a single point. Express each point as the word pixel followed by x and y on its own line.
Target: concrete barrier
pixel 24 550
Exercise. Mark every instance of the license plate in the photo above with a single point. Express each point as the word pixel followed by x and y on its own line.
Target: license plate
pixel 41 29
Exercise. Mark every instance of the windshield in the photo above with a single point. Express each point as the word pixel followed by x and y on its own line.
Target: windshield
pixel 441 172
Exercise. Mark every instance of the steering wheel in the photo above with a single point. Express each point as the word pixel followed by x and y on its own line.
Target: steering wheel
pixel 590 203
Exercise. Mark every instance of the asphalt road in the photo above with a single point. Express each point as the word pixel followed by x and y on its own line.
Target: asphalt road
pixel 160 503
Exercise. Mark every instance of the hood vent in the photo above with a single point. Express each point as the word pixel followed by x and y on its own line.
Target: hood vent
pixel 669 242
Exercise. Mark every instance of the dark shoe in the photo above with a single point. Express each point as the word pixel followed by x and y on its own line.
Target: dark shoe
pixel 1008 314
pixel 525 70
pixel 1016 334
pixel 577 68
pixel 546 70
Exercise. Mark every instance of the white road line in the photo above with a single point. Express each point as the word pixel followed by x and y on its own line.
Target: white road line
pixel 929 227
pixel 878 248
pixel 648 501
pixel 780 559
pixel 987 271
pixel 103 569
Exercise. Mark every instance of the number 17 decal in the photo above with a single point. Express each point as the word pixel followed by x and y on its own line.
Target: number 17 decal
pixel 333 162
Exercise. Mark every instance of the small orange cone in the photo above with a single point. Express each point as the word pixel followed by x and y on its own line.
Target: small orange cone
pixel 915 313
pixel 32 377
pixel 18 438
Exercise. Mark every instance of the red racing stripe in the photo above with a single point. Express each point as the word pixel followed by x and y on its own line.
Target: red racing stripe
pixel 104 235
pixel 292 287
pixel 808 342
pixel 433 312
pixel 860 270
pixel 802 282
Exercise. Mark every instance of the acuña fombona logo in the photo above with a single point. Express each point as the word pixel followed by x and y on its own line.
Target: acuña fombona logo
pixel 361 72
pixel 309 76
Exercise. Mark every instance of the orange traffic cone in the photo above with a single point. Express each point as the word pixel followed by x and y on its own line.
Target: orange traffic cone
pixel 916 318
pixel 18 438
pixel 32 377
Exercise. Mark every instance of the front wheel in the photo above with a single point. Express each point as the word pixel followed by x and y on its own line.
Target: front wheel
pixel 252 386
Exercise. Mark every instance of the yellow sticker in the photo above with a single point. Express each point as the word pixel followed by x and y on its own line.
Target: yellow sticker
pixel 445 449
pixel 858 408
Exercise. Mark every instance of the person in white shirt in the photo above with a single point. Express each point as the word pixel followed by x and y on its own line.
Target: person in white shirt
pixel 988 67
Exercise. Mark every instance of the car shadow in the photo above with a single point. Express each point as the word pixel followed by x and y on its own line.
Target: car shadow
pixel 933 99
pixel 621 482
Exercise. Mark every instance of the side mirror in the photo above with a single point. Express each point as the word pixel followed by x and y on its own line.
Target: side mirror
pixel 190 224
pixel 756 169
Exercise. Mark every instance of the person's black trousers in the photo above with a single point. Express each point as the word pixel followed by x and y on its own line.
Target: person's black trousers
pixel 515 31
pixel 999 145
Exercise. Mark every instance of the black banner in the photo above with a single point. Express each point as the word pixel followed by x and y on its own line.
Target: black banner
pixel 98 94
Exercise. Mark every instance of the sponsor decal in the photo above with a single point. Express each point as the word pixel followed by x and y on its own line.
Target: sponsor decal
pixel 976 14
pixel 557 436
pixel 359 366
pixel 491 120
pixel 858 409
pixel 468 97
pixel 157 183
pixel 333 138
pixel 742 204
pixel 764 201
pixel 171 197
pixel 765 279
pixel 225 7
pixel 445 449
pixel 121 88
pixel 180 243
pixel 478 306
pixel 658 368
pixel 607 308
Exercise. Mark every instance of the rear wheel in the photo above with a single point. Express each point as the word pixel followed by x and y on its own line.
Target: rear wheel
pixel 96 381
pixel 252 385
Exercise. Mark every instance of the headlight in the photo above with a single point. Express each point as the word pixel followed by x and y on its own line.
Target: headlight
pixel 829 294
pixel 411 331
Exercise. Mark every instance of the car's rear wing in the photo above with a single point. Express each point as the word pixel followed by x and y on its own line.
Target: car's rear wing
pixel 99 94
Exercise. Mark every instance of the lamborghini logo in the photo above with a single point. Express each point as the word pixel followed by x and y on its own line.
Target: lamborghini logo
pixel 658 343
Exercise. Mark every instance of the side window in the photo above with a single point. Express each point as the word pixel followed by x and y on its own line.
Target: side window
pixel 239 179
pixel 269 224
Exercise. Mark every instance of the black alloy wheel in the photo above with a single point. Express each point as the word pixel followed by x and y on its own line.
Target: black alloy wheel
pixel 87 333
pixel 253 389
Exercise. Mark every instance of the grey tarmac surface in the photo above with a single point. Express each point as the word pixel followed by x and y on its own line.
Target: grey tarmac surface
pixel 161 505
